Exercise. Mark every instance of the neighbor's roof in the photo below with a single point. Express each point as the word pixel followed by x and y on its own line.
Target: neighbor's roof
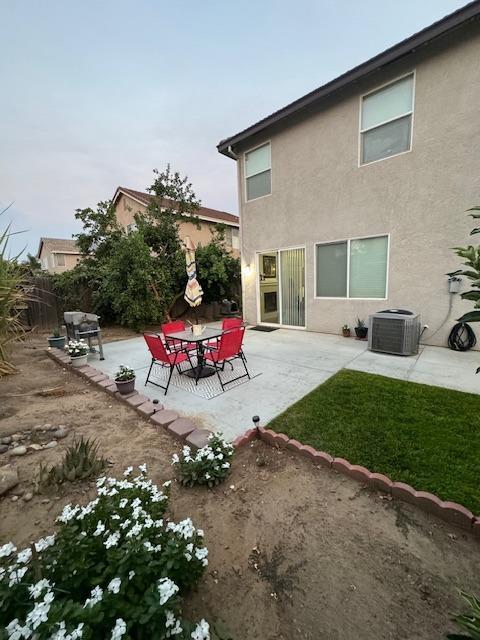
pixel 204 213
pixel 411 44
pixel 58 245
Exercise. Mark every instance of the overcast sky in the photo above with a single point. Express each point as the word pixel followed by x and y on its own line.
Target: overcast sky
pixel 96 94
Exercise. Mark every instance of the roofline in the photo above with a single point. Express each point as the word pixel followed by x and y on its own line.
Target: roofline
pixel 195 215
pixel 397 51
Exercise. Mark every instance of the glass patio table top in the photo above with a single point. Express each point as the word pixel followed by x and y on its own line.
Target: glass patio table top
pixel 188 336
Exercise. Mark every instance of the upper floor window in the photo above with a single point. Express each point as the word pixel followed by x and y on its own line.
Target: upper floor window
pixel 386 121
pixel 258 170
pixel 59 259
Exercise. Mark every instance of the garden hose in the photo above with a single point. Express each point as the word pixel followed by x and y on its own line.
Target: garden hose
pixel 462 337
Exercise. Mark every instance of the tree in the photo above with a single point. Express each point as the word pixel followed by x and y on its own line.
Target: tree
pixel 471 256
pixel 218 271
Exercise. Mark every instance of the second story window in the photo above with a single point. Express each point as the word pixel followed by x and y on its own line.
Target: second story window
pixel 258 172
pixel 386 121
pixel 59 259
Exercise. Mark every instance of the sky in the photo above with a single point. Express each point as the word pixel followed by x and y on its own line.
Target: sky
pixel 96 94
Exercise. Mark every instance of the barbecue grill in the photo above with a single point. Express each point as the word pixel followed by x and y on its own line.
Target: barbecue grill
pixel 84 326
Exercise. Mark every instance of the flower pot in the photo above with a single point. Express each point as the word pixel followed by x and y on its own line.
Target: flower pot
pixel 79 361
pixel 59 342
pixel 125 386
pixel 361 332
pixel 346 333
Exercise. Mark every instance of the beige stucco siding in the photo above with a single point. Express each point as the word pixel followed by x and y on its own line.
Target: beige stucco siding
pixel 47 261
pixel 320 194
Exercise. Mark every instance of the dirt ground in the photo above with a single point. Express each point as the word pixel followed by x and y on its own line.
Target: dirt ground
pixel 296 552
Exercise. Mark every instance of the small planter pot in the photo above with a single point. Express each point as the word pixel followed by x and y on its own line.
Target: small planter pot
pixel 126 386
pixel 361 332
pixel 59 342
pixel 346 333
pixel 79 361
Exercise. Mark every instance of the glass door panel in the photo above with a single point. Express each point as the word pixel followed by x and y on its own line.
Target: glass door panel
pixel 292 278
pixel 269 287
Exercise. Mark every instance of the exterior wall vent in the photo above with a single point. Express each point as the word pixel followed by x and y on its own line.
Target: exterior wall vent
pixel 395 331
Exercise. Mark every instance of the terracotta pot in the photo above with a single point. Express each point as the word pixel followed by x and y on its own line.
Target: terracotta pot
pixel 125 386
pixel 346 333
pixel 79 361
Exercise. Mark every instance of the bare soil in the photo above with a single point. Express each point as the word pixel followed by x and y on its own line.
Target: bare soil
pixel 296 552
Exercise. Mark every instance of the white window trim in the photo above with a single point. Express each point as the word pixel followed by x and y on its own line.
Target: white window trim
pixel 412 73
pixel 348 241
pixel 258 146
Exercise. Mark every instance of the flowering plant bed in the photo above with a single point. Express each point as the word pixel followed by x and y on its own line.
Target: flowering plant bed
pixel 76 348
pixel 124 374
pixel 210 465
pixel 116 568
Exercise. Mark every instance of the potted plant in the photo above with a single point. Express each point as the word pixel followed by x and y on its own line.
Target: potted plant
pixel 361 330
pixel 346 331
pixel 56 339
pixel 125 380
pixel 78 352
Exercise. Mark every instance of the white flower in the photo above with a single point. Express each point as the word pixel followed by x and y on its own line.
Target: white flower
pixel 61 633
pixel 95 596
pixel 16 575
pixel 128 471
pixel 114 585
pixel 134 531
pixel 171 621
pixel 100 528
pixel 201 631
pixel 131 574
pixel 201 553
pixel 37 588
pixel 207 476
pixel 119 629
pixel 143 468
pixel 68 513
pixel 38 614
pixel 166 588
pixel 24 556
pixel 123 503
pixel 175 458
pixel 101 481
pixel 7 550
pixel 167 484
pixel 112 540
pixel 226 465
pixel 16 632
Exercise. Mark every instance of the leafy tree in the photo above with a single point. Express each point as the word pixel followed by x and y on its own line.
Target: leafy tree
pixel 100 230
pixel 219 271
pixel 471 256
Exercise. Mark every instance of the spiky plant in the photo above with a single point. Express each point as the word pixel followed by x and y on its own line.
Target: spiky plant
pixel 468 622
pixel 81 461
pixel 13 296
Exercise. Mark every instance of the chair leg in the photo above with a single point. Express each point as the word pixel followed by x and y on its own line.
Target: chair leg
pixel 246 370
pixel 218 375
pixel 149 371
pixel 169 378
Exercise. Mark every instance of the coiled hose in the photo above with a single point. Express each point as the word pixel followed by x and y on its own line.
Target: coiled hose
pixel 462 337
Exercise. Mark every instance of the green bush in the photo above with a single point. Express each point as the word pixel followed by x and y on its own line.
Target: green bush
pixel 210 465
pixel 116 568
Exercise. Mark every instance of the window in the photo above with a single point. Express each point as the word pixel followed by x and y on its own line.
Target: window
pixel 258 172
pixel 386 121
pixel 235 238
pixel 352 268
pixel 59 259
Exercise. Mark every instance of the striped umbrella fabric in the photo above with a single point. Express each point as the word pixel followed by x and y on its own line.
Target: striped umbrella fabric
pixel 193 291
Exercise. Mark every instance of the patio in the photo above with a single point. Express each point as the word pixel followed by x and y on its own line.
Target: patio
pixel 286 365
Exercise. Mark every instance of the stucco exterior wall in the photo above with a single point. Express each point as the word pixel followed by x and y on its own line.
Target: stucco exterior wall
pixel 127 208
pixel 71 260
pixel 320 194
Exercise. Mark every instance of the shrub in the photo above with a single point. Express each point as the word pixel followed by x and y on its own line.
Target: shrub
pixel 76 348
pixel 210 465
pixel 469 623
pixel 81 461
pixel 116 568
pixel 124 374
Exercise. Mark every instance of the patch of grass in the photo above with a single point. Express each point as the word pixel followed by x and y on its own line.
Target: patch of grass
pixel 426 436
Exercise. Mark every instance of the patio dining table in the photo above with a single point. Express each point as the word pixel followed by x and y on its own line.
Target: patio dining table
pixel 202 370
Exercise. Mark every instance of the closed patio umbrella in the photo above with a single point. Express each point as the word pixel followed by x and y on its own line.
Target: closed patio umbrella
pixel 193 291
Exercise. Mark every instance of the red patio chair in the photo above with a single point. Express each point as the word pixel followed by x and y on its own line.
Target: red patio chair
pixel 227 324
pixel 161 356
pixel 172 343
pixel 229 348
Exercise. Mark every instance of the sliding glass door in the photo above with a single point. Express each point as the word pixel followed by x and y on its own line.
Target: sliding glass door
pixel 281 284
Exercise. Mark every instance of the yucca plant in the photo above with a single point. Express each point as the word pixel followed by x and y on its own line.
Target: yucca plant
pixel 470 623
pixel 81 461
pixel 12 297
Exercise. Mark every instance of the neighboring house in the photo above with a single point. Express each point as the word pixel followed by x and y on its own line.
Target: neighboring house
pixel 57 255
pixel 352 197
pixel 128 202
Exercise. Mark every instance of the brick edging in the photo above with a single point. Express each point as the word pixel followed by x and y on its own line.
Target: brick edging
pixel 451 512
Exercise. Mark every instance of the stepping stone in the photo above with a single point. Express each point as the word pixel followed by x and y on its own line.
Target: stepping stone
pixel 137 400
pixel 181 428
pixel 106 382
pixel 148 408
pixel 164 418
pixel 199 438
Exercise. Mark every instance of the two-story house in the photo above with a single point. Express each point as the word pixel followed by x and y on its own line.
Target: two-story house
pixel 352 197
pixel 57 255
pixel 128 202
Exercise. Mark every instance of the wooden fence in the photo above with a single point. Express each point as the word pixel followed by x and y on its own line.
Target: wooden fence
pixel 43 310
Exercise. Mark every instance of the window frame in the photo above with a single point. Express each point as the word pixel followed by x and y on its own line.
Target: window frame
pixel 56 262
pixel 247 151
pixel 349 241
pixel 411 113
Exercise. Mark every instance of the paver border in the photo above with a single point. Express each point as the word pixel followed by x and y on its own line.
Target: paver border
pixel 158 415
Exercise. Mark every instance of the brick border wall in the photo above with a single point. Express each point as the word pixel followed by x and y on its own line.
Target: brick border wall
pixel 184 429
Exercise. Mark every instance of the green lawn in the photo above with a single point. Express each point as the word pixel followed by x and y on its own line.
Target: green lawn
pixel 426 436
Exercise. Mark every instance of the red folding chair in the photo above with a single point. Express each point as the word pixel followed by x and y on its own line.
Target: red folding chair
pixel 231 323
pixel 161 356
pixel 172 343
pixel 229 348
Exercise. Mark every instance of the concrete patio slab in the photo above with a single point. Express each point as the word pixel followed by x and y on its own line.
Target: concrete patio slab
pixel 291 363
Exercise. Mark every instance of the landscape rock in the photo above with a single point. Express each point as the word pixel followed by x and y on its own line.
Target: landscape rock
pixel 61 432
pixel 39 427
pixel 35 447
pixel 17 436
pixel 6 440
pixel 28 496
pixel 51 444
pixel 3 448
pixel 18 451
pixel 8 479
pixel 14 498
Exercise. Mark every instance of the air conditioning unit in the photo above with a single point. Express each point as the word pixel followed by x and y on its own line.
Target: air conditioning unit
pixel 395 331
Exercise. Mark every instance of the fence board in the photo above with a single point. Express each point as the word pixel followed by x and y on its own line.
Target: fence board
pixel 43 306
